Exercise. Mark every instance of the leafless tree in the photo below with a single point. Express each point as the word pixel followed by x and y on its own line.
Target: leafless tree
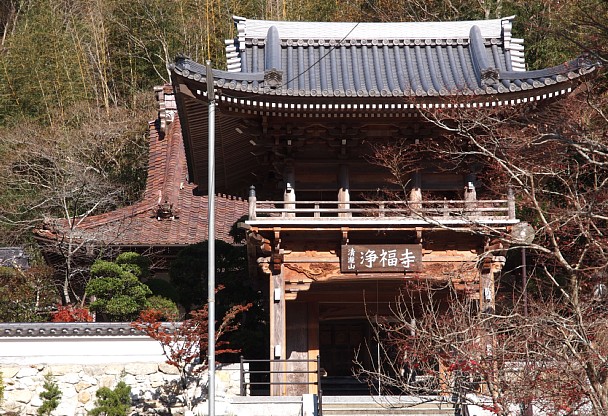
pixel 60 180
pixel 553 355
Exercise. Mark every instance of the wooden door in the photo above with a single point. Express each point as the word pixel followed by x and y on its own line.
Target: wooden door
pixel 339 342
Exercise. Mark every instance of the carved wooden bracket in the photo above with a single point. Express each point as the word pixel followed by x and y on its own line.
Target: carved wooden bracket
pixel 344 231
pixel 276 260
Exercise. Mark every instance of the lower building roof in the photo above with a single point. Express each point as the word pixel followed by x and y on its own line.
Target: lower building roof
pixel 170 213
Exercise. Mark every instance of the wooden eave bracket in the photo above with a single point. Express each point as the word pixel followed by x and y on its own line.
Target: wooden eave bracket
pixel 277 253
pixel 344 231
pixel 259 242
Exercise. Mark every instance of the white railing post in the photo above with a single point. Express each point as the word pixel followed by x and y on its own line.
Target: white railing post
pixel 470 195
pixel 289 194
pixel 252 203
pixel 415 202
pixel 343 191
pixel 511 203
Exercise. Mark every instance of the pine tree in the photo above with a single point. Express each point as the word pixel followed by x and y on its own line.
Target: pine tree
pixel 113 402
pixel 51 396
pixel 1 388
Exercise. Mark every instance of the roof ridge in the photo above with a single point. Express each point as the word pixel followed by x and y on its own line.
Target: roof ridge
pixel 254 28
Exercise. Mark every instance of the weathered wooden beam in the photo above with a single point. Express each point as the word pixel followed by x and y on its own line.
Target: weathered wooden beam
pixel 313 343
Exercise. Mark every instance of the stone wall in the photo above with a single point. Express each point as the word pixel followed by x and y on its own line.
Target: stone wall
pixel 152 387
pixel 85 357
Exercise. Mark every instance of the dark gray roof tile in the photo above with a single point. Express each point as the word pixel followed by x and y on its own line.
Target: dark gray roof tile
pixel 426 61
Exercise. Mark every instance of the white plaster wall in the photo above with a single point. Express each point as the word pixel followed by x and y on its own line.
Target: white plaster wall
pixel 81 365
pixel 79 350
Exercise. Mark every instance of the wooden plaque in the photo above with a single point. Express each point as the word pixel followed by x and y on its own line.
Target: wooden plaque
pixel 379 258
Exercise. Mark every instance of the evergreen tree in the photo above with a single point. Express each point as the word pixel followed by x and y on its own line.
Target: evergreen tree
pixel 1 388
pixel 50 396
pixel 119 294
pixel 113 402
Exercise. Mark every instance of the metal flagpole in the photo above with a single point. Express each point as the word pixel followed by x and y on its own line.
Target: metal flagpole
pixel 211 240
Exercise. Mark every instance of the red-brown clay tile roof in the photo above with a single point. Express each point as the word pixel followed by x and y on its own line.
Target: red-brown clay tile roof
pixel 139 225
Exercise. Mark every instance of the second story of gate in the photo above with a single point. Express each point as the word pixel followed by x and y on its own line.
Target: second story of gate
pixel 321 124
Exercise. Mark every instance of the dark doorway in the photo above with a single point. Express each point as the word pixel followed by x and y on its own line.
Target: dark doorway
pixel 340 343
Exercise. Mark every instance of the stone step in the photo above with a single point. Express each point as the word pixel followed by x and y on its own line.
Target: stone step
pixel 341 406
pixel 370 407
pixel 351 411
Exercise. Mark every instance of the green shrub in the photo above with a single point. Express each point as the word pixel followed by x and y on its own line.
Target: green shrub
pixel 135 263
pixel 167 308
pixel 1 388
pixel 116 402
pixel 51 396
pixel 119 295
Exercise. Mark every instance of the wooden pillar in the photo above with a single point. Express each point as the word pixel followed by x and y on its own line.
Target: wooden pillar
pixel 344 190
pixel 487 302
pixel 297 348
pixel 313 343
pixel 277 318
pixel 492 264
pixel 416 192
pixel 289 193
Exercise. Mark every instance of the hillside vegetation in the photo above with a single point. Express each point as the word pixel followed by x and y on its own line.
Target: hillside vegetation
pixel 76 80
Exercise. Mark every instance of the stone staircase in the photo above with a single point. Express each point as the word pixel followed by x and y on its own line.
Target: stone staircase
pixel 389 406
pixel 336 406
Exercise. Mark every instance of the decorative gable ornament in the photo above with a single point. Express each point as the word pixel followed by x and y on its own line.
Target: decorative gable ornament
pixel 273 78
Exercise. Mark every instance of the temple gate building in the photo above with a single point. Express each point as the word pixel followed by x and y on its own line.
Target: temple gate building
pixel 300 109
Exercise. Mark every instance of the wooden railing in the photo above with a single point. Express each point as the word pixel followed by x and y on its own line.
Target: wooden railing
pixel 246 383
pixel 426 210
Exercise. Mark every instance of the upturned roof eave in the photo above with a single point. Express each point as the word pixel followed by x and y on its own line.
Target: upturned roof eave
pixel 265 99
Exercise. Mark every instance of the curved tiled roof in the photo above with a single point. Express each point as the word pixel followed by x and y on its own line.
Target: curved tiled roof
pixel 142 224
pixel 283 76
pixel 384 60
pixel 67 329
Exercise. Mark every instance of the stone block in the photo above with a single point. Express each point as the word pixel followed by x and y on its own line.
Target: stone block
pixel 130 380
pixel 168 369
pixel 107 381
pixel 82 385
pixel 140 369
pixel 65 408
pixel 68 391
pixel 30 382
pixel 62 370
pixel 84 397
pixel 36 400
pixel 85 378
pixel 147 395
pixel 70 378
pixel 9 372
pixel 96 370
pixel 20 396
pixel 114 369
pixel 26 372
pixel 156 380
pixel 12 406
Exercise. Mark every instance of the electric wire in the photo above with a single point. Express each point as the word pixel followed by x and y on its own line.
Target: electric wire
pixel 310 67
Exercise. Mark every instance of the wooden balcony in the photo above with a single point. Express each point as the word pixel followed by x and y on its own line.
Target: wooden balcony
pixel 383 214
